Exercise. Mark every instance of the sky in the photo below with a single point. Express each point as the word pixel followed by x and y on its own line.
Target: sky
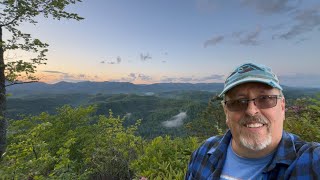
pixel 190 41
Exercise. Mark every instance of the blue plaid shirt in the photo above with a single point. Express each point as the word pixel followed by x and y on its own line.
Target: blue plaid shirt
pixel 294 159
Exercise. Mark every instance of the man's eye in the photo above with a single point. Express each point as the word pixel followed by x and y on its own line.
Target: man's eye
pixel 264 97
pixel 242 101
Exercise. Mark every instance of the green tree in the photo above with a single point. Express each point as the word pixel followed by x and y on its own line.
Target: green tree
pixel 12 14
pixel 211 121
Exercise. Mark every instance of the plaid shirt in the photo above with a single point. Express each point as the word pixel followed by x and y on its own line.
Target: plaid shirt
pixel 294 159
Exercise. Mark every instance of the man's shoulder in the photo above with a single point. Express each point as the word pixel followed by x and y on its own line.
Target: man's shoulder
pixel 310 151
pixel 305 151
pixel 304 158
pixel 210 145
pixel 302 146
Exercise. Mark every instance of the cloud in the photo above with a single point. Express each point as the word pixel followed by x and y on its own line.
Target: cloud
pixel 272 6
pixel 306 20
pixel 168 79
pixel 297 17
pixel 212 77
pixel 145 57
pixel 244 38
pixel 117 61
pixel 237 34
pixel 251 37
pixel 62 76
pixel 82 76
pixel 55 72
pixel 185 79
pixel 128 115
pixel 302 80
pixel 135 76
pixel 144 77
pixel 192 79
pixel 213 41
pixel 175 121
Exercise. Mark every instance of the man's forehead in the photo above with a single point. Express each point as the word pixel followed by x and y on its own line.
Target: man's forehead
pixel 240 89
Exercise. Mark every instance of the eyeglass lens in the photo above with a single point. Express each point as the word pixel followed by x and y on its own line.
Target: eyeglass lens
pixel 262 102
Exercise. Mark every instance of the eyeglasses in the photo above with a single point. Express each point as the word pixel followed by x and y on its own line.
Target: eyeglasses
pixel 262 102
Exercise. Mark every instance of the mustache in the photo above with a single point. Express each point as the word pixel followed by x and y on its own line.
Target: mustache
pixel 254 119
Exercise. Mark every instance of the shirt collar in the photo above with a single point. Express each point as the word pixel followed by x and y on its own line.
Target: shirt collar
pixel 285 153
pixel 221 145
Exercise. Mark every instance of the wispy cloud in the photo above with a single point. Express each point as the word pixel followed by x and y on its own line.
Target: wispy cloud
pixel 213 77
pixel 305 20
pixel 299 20
pixel 251 38
pixel 213 41
pixel 175 121
pixel 185 79
pixel 62 76
pixel 192 79
pixel 166 79
pixel 55 72
pixel 272 6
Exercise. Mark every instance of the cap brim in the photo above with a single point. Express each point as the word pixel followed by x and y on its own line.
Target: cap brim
pixel 250 79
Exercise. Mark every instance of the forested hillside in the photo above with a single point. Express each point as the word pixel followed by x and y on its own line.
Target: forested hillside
pixel 152 110
pixel 75 143
pixel 124 136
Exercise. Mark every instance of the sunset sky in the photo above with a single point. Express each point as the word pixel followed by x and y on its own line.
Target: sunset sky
pixel 152 41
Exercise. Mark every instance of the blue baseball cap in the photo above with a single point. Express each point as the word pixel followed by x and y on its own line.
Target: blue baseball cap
pixel 250 72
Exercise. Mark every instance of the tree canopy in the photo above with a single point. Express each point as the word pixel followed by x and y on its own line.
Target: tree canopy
pixel 13 14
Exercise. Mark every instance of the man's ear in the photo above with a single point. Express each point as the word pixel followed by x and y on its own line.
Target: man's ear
pixel 283 104
pixel 283 107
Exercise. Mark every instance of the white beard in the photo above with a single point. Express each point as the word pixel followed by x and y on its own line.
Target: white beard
pixel 255 143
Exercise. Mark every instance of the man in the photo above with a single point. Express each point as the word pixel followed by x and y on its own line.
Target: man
pixel 255 146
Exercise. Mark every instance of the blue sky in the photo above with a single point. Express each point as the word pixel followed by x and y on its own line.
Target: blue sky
pixel 144 41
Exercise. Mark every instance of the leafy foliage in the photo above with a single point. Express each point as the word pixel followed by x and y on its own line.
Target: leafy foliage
pixel 164 158
pixel 77 144
pixel 71 144
pixel 303 118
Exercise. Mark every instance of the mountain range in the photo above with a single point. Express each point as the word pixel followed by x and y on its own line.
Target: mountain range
pixel 89 87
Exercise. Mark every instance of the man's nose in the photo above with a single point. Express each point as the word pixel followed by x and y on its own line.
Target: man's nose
pixel 252 109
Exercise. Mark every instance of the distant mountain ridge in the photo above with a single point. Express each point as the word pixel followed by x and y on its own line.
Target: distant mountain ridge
pixel 89 87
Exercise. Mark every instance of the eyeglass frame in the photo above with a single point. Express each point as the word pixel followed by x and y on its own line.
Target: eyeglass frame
pixel 276 97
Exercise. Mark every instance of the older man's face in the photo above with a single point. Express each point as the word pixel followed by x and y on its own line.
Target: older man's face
pixel 254 128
